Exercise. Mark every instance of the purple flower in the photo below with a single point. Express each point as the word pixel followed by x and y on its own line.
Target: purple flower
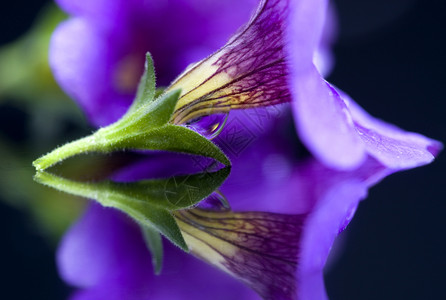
pixel 270 61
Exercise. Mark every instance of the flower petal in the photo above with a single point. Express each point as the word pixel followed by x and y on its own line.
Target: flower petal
pixel 333 211
pixel 324 123
pixel 323 58
pixel 392 146
pixel 306 24
pixel 321 117
pixel 337 194
pixel 83 256
pixel 75 47
pixel 249 71
pixel 103 11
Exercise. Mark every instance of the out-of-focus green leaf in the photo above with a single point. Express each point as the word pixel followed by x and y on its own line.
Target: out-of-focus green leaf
pixel 24 67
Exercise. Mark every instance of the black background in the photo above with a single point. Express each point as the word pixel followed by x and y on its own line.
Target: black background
pixel 390 57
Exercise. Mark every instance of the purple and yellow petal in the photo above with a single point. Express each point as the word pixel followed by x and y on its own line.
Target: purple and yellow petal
pixel 249 71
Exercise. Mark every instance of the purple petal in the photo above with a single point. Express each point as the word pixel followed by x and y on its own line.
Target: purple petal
pixel 102 11
pixel 334 209
pixel 323 58
pixel 337 194
pixel 390 145
pixel 341 134
pixel 83 258
pixel 81 59
pixel 306 24
pixel 322 119
pixel 339 137
pixel 324 123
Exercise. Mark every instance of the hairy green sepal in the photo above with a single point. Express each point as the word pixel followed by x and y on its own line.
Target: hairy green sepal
pixel 146 126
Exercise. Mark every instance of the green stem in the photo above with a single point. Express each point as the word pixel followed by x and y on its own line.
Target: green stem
pixel 84 145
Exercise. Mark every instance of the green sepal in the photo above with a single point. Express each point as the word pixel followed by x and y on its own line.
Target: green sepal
pixel 146 126
pixel 154 243
pixel 149 116
pixel 147 85
pixel 175 139
pixel 149 202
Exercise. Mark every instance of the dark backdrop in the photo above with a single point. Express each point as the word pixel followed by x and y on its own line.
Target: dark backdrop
pixel 390 57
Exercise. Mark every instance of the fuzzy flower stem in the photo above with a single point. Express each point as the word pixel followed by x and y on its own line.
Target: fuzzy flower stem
pixel 84 145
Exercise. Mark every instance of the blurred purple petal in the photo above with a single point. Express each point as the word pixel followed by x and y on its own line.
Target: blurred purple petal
pixel 323 58
pixel 81 62
pixel 335 208
pixel 304 31
pixel 84 258
pixel 102 11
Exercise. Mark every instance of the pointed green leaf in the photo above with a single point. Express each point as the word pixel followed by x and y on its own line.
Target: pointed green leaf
pixel 146 87
pixel 154 243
